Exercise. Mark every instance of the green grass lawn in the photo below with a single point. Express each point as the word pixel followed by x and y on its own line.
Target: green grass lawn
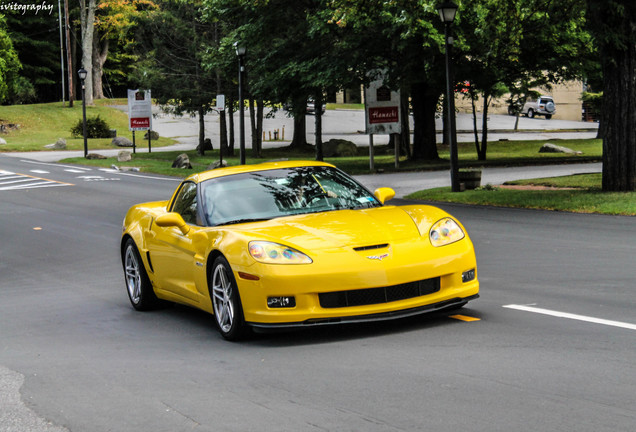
pixel 42 124
pixel 586 197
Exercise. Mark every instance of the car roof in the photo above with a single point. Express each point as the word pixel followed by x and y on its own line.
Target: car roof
pixel 239 169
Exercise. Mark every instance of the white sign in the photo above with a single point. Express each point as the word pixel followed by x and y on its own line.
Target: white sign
pixel 220 102
pixel 382 108
pixel 139 110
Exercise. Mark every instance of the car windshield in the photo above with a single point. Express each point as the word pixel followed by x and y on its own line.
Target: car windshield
pixel 263 195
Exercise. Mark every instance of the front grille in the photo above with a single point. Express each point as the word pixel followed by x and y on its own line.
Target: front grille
pixel 371 296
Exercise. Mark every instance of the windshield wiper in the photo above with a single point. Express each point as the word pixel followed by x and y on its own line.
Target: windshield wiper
pixel 240 221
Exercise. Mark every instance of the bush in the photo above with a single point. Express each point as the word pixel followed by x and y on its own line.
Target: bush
pixel 95 128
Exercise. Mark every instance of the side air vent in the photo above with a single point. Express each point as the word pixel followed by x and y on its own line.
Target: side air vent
pixel 366 248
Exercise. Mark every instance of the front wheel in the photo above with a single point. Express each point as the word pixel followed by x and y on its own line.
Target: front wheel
pixel 139 288
pixel 228 312
pixel 530 113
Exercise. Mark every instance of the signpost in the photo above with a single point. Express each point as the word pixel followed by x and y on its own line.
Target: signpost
pixel 382 114
pixel 220 105
pixel 140 114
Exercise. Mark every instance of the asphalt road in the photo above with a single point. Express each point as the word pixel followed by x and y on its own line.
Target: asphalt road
pixel 84 360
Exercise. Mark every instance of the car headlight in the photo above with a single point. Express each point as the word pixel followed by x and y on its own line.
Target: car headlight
pixel 274 253
pixel 445 231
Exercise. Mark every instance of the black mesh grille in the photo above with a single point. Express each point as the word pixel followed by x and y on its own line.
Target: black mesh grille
pixel 379 295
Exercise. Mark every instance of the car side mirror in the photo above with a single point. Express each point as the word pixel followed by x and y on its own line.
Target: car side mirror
pixel 384 194
pixel 172 219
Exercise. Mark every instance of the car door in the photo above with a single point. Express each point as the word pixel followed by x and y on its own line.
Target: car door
pixel 172 251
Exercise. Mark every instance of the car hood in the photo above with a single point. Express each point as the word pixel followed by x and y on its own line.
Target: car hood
pixel 344 228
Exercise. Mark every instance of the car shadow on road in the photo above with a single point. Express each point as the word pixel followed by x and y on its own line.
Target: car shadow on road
pixel 344 332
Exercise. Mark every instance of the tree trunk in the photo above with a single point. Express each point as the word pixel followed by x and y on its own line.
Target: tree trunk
pixel 475 131
pixel 260 111
pixel 69 61
pixel 318 113
pixel 100 54
pixel 618 120
pixel 424 100
pixel 251 103
pixel 230 112
pixel 615 26
pixel 201 147
pixel 405 126
pixel 257 108
pixel 481 153
pixel 299 139
pixel 87 20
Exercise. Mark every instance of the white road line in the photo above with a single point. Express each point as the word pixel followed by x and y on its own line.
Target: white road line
pixel 40 171
pixel 21 180
pixel 572 316
pixel 33 186
pixel 72 170
pixel 55 165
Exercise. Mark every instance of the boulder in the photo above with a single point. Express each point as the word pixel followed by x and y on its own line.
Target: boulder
pixel 154 135
pixel 207 145
pixel 553 148
pixel 124 156
pixel 217 164
pixel 182 161
pixel 2 142
pixel 60 144
pixel 121 142
pixel 95 156
pixel 339 147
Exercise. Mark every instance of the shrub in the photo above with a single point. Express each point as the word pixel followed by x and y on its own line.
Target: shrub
pixel 96 127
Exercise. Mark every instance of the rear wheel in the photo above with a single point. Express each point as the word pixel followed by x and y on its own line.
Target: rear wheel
pixel 228 312
pixel 139 288
pixel 548 116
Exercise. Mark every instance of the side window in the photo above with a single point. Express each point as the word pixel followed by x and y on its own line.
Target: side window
pixel 186 203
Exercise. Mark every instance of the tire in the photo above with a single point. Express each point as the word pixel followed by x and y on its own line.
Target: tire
pixel 226 302
pixel 140 292
pixel 548 116
pixel 530 113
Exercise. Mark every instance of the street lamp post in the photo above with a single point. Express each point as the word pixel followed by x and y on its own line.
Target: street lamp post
pixel 240 52
pixel 447 11
pixel 82 76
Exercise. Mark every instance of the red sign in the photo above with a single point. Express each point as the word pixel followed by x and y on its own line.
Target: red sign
pixel 140 122
pixel 383 115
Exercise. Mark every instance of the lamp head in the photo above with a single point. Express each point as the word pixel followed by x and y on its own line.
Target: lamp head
pixel 447 11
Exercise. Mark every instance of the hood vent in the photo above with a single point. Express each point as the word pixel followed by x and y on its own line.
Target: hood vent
pixel 366 248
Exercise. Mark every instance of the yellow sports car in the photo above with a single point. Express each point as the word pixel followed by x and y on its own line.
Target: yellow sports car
pixel 293 244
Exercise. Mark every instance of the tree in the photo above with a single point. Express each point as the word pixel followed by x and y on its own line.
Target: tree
pixel 170 44
pixel 9 63
pixel 613 24
pixel 38 52
pixel 114 22
pixel 402 37
pixel 511 46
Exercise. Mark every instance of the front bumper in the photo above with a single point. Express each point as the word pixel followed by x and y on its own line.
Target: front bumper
pixel 447 304
pixel 336 273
